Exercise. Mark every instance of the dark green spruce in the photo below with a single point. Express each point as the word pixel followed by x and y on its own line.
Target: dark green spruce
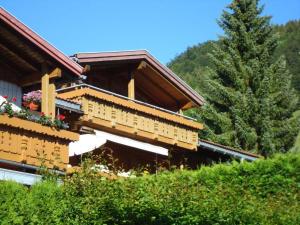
pixel 250 101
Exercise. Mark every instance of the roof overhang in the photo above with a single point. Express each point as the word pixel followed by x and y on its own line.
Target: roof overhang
pixel 150 61
pixel 40 43
pixel 68 105
pixel 232 152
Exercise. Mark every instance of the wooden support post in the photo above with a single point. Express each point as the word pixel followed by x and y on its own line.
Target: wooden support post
pixel 45 90
pixel 51 99
pixel 49 90
pixel 131 91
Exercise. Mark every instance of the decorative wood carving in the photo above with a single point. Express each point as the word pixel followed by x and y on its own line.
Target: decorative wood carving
pixel 34 144
pixel 121 115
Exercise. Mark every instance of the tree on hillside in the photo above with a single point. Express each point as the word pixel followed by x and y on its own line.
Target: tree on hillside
pixel 250 101
pixel 289 46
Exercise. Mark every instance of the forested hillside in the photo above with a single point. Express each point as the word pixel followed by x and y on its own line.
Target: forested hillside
pixel 192 64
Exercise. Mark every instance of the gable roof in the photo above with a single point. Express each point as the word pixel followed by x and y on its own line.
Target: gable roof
pixel 143 55
pixel 40 43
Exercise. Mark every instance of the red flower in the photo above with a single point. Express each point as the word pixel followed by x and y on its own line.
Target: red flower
pixel 42 114
pixel 61 117
pixel 5 96
pixel 14 99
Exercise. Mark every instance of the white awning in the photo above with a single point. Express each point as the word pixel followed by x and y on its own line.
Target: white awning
pixel 90 142
pixel 86 143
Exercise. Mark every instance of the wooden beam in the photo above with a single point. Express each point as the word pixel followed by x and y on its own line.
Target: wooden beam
pixel 142 93
pixel 86 68
pixel 35 78
pixel 131 89
pixel 30 79
pixel 18 56
pixel 151 82
pixel 187 106
pixel 9 39
pixel 45 90
pixel 9 69
pixel 56 73
pixel 7 63
pixel 142 65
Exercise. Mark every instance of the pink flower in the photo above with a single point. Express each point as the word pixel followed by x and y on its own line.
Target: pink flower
pixel 42 114
pixel 33 96
pixel 14 99
pixel 5 96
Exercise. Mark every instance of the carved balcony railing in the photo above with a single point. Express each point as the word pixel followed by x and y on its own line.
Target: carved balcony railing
pixel 33 144
pixel 119 114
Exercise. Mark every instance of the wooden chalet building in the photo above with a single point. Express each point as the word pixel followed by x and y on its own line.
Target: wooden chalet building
pixel 126 104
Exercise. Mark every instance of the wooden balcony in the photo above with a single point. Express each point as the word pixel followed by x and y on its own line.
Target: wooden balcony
pixel 33 144
pixel 118 114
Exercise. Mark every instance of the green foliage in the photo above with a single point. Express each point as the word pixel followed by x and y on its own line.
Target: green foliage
pixel 290 48
pixel 6 107
pixel 263 192
pixel 296 147
pixel 249 94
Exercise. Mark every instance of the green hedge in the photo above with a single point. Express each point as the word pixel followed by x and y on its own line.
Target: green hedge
pixel 263 192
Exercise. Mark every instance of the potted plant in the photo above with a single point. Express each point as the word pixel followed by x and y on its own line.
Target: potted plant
pixel 32 100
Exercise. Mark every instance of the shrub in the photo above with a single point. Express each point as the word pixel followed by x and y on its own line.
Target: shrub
pixel 262 192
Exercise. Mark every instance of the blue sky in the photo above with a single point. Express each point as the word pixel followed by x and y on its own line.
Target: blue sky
pixel 164 27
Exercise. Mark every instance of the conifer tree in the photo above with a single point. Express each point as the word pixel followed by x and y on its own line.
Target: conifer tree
pixel 250 101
